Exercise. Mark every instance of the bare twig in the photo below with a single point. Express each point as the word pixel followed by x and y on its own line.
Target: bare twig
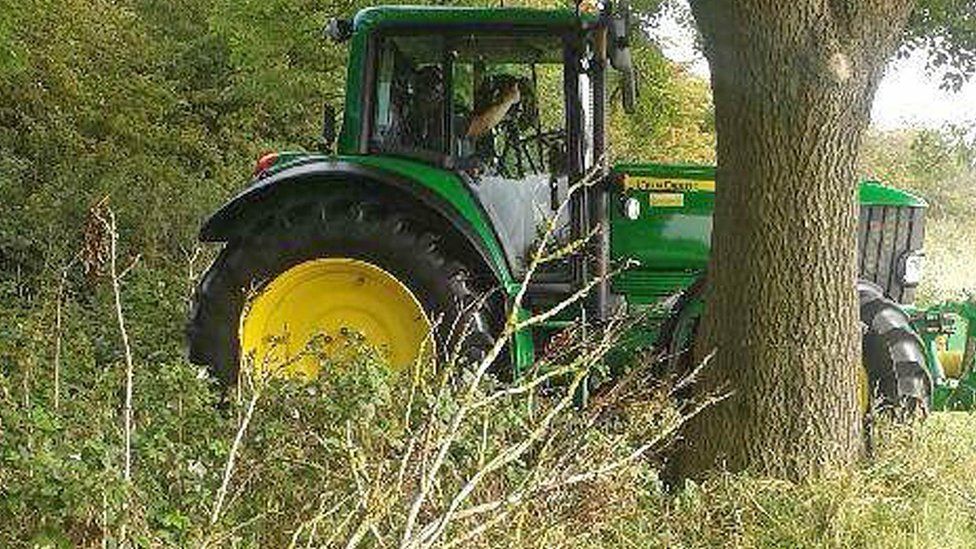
pixel 512 325
pixel 232 457
pixel 313 523
pixel 108 220
pixel 132 265
pixel 593 474
pixel 258 378
pixel 62 282
pixel 191 277
pixel 430 534
pixel 102 214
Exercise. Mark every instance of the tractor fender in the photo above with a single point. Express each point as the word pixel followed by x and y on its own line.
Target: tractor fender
pixel 298 182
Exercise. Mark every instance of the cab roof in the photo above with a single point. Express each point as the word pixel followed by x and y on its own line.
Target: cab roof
pixel 388 16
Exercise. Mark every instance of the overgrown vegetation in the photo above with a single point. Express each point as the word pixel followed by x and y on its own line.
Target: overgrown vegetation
pixel 332 461
pixel 162 107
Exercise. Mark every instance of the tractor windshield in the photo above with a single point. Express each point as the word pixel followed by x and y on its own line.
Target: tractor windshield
pixel 490 101
pixel 494 106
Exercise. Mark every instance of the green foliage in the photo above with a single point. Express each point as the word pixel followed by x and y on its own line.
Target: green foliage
pixel 311 451
pixel 673 121
pixel 946 31
pixel 317 461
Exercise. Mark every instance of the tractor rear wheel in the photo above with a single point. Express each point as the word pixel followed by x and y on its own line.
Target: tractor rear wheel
pixel 318 276
pixel 894 376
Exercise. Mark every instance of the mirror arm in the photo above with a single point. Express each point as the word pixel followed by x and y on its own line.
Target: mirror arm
pixel 620 56
pixel 328 137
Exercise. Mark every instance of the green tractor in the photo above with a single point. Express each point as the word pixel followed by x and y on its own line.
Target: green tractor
pixel 464 131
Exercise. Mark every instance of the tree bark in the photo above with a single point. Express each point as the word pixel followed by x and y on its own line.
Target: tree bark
pixel 793 84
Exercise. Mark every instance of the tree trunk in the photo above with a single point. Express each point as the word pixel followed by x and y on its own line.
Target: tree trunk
pixel 793 84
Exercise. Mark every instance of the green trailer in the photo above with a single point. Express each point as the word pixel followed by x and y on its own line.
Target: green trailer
pixel 464 131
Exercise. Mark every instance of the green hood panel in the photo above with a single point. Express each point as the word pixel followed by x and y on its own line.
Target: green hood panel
pixel 673 232
pixel 671 238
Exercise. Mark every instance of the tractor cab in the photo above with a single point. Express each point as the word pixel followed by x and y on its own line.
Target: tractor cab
pixel 511 100
pixel 490 106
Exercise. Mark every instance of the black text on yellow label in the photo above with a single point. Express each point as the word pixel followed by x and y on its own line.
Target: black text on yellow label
pixel 666 200
pixel 633 182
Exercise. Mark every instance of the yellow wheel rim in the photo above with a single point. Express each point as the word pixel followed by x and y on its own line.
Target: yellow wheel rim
pixel 326 308
pixel 863 389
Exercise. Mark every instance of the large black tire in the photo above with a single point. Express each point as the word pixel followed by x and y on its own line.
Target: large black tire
pixel 892 353
pixel 346 224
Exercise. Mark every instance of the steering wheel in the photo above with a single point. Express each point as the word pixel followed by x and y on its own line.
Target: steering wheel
pixel 532 152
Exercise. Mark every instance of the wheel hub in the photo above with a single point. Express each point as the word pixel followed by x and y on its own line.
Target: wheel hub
pixel 864 396
pixel 328 309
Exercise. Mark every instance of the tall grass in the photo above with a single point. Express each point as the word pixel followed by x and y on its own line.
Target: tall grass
pixel 342 459
pixel 368 456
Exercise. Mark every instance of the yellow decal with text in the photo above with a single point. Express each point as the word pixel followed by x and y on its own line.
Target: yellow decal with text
pixel 666 200
pixel 634 182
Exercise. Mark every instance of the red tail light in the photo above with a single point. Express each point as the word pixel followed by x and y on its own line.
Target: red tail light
pixel 264 163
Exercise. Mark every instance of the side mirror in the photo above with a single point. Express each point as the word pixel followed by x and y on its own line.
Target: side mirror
pixel 338 30
pixel 620 56
pixel 328 128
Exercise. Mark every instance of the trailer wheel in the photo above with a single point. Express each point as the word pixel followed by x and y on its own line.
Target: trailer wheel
pixel 893 371
pixel 324 274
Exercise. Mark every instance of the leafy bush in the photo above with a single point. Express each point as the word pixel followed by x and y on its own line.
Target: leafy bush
pixel 360 453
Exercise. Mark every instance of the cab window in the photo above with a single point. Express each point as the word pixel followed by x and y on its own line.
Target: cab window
pixel 504 93
pixel 409 105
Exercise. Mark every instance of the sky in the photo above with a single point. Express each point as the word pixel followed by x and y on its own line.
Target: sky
pixel 908 96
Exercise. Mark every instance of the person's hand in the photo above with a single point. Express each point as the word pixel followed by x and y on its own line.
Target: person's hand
pixel 512 94
pixel 483 122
